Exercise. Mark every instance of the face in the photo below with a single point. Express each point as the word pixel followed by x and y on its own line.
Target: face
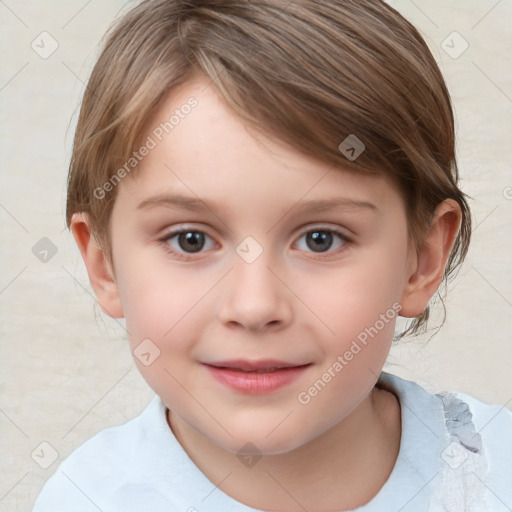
pixel 260 287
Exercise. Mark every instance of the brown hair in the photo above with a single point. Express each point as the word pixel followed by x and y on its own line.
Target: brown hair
pixel 309 72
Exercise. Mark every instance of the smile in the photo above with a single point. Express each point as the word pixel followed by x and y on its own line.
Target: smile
pixel 255 377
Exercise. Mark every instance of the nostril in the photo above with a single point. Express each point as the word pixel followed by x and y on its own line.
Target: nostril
pixel 260 326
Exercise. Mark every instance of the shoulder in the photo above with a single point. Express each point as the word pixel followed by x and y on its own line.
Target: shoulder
pixel 493 416
pixel 99 466
pixel 493 423
pixel 467 441
pixel 485 432
pixel 120 445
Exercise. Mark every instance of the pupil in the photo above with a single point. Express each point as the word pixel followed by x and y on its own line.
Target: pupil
pixel 319 241
pixel 191 241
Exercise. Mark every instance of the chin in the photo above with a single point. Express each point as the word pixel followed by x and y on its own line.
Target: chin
pixel 260 443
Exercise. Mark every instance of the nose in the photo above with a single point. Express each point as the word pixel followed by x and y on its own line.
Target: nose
pixel 255 299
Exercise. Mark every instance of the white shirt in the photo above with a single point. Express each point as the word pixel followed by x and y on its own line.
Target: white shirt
pixel 455 456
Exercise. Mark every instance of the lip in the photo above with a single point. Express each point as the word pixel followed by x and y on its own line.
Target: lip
pixel 255 377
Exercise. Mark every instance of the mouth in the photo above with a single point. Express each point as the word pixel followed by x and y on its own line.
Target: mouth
pixel 263 366
pixel 255 377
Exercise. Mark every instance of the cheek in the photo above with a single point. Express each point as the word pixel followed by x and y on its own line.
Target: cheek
pixel 167 303
pixel 154 298
pixel 354 296
pixel 164 312
pixel 359 307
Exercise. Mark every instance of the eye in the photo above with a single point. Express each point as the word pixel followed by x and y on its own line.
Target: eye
pixel 188 242
pixel 321 241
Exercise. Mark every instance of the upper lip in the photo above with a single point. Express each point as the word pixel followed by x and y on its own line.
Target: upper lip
pixel 246 365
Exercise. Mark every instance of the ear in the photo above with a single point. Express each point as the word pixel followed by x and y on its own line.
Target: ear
pixel 101 275
pixel 428 263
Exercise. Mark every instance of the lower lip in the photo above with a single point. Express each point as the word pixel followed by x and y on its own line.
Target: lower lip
pixel 254 382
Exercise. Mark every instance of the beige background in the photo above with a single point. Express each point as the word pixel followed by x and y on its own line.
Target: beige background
pixel 66 371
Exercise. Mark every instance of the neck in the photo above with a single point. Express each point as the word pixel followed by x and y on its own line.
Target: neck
pixel 344 468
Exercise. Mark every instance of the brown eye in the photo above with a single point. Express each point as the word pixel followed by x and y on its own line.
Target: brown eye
pixel 319 241
pixel 188 242
pixel 191 241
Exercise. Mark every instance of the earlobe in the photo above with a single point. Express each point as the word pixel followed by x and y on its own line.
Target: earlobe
pixel 428 266
pixel 99 269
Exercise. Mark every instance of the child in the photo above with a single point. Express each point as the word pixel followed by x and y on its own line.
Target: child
pixel 260 189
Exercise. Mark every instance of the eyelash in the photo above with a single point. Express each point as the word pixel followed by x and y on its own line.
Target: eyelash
pixel 164 241
pixel 180 255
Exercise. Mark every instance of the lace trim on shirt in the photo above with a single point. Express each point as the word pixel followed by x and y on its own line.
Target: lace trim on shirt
pixel 461 485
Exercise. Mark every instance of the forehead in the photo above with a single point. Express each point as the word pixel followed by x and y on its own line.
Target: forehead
pixel 206 152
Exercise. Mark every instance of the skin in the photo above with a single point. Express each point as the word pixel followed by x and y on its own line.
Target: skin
pixel 292 303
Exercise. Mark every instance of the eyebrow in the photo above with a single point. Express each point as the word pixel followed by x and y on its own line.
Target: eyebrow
pixel 177 201
pixel 197 204
pixel 339 203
